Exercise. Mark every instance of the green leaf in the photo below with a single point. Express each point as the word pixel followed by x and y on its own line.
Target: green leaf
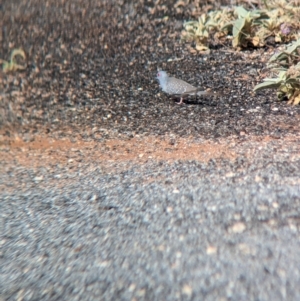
pixel 284 55
pixel 12 64
pixel 293 82
pixel 227 27
pixel 293 47
pixel 280 69
pixel 238 25
pixel 241 12
pixel 16 52
pixel 259 15
pixel 267 85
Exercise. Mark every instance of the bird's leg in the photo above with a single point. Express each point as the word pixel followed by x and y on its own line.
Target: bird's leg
pixel 181 101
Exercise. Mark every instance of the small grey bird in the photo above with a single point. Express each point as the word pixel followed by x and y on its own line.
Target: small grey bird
pixel 175 86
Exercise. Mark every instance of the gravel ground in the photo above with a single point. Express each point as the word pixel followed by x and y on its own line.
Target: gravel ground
pixel 154 230
pixel 111 191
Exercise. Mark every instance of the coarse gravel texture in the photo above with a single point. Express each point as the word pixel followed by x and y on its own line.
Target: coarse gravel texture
pixel 184 230
pixel 111 191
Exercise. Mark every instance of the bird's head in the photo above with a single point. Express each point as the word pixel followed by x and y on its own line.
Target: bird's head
pixel 162 77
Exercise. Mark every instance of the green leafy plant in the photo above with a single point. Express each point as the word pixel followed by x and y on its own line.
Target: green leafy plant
pixel 286 64
pixel 12 64
pixel 287 57
pixel 243 28
pixel 276 18
pixel 199 31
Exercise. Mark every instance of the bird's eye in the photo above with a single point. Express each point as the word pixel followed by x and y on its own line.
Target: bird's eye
pixel 158 74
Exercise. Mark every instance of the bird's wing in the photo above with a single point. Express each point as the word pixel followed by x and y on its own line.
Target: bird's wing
pixel 177 86
pixel 193 91
pixel 199 92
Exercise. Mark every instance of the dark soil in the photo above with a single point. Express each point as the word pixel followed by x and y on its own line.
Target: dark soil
pixel 91 67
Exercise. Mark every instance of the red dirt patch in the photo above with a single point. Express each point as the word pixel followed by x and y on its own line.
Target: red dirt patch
pixel 117 155
pixel 47 151
pixel 44 150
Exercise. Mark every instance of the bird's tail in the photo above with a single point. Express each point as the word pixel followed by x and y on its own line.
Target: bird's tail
pixel 209 92
pixel 199 93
